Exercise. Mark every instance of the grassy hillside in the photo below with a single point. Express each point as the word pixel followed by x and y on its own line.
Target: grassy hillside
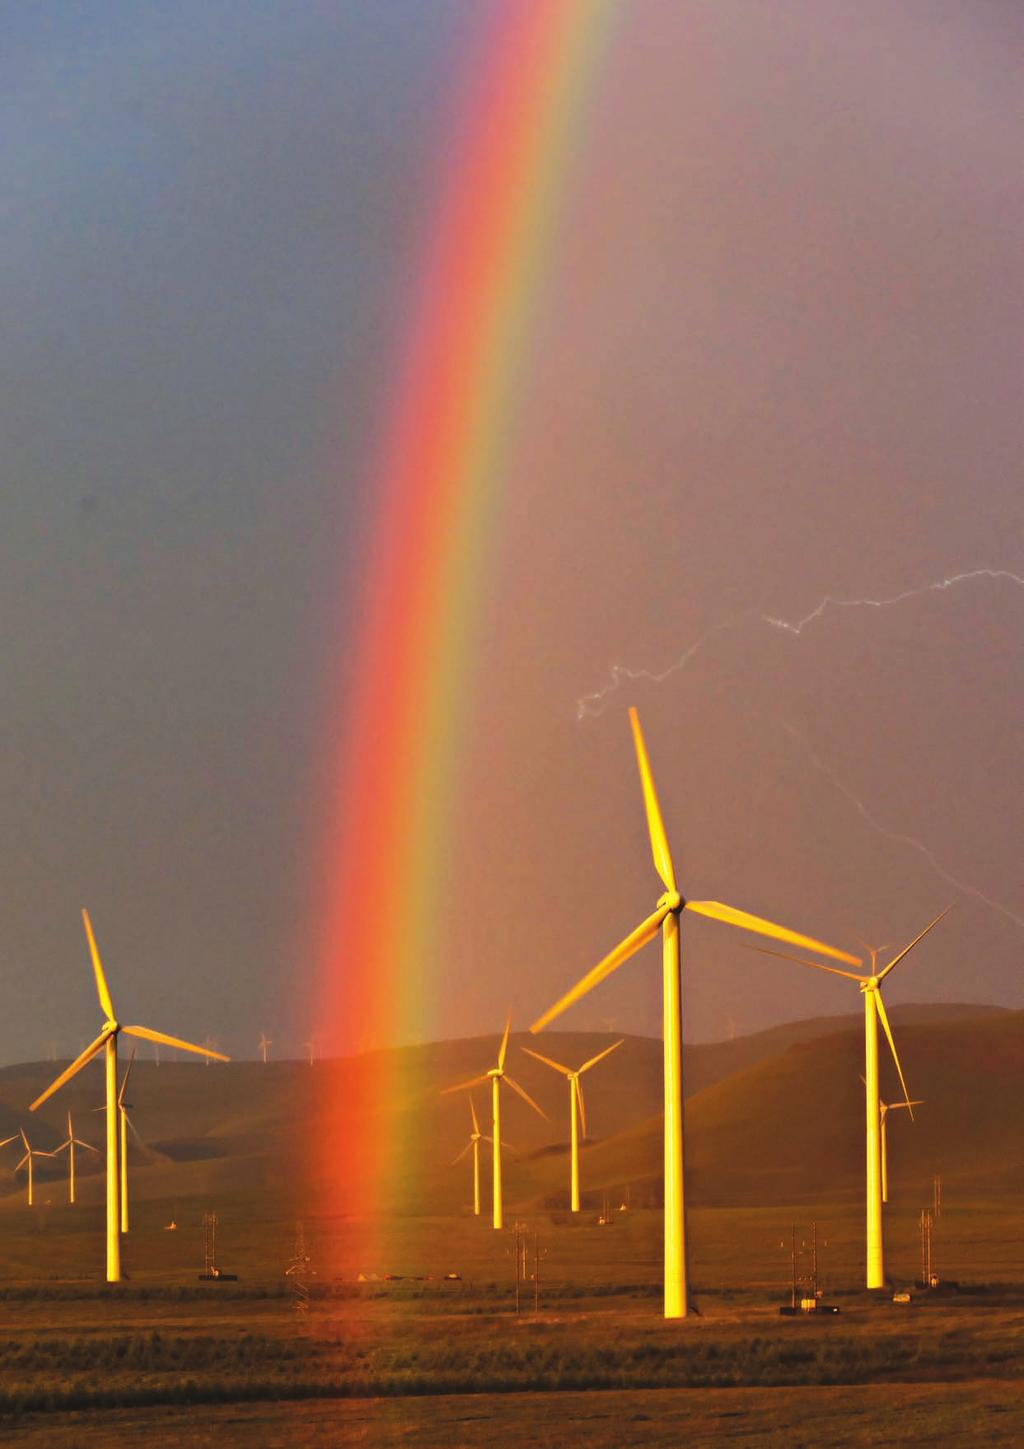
pixel 772 1118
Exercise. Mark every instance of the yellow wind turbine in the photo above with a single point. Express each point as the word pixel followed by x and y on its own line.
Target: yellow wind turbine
pixel 69 1144
pixel 666 918
pixel 874 1011
pixel 884 1108
pixel 122 1129
pixel 106 1042
pixel 577 1113
pixel 475 1138
pixel 496 1076
pixel 31 1153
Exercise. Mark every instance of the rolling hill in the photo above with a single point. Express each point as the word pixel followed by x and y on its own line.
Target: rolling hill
pixel 776 1117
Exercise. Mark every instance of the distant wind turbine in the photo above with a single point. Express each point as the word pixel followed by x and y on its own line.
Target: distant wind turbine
pixel 265 1043
pixel 69 1145
pixel 884 1108
pixel 31 1153
pixel 496 1076
pixel 475 1138
pixel 577 1113
pixel 666 918
pixel 874 1011
pixel 106 1042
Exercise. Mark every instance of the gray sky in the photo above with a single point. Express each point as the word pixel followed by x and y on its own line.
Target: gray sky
pixel 779 359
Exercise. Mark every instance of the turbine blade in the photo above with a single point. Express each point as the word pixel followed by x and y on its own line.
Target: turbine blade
pixel 24 1139
pixel 124 1079
pixel 814 965
pixel 139 1138
pixel 80 1143
pixel 504 1043
pixel 462 1154
pixel 914 1102
pixel 892 1046
pixel 472 1113
pixel 733 917
pixel 146 1034
pixel 897 959
pixel 526 1097
pixel 566 1072
pixel 462 1086
pixel 655 824
pixel 97 966
pixel 76 1066
pixel 8 1139
pixel 594 1060
pixel 579 1103
pixel 646 931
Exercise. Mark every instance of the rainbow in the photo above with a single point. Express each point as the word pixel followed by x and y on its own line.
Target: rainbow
pixel 436 481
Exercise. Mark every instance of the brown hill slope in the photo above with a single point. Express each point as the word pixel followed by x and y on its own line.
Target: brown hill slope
pixel 791 1129
pixel 773 1116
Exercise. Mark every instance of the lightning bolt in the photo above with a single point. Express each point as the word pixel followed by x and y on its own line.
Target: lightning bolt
pixel 938 587
pixel 594 704
pixel 619 674
pixel 899 836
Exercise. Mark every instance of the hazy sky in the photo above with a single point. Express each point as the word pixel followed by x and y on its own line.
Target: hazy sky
pixel 779 358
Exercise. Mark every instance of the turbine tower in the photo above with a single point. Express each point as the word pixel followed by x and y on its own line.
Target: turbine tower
pixel 106 1042
pixel 70 1143
pixel 496 1076
pixel 666 918
pixel 577 1113
pixel 874 1011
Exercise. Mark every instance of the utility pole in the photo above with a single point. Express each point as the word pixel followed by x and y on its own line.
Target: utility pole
pixel 517 1232
pixel 536 1271
pixel 927 1263
pixel 209 1245
pixel 814 1261
pixel 299 1270
pixel 937 1196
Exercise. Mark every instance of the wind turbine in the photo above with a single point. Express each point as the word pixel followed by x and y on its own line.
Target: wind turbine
pixel 70 1144
pixel 884 1108
pixel 666 918
pixel 475 1138
pixel 123 1123
pixel 265 1042
pixel 31 1153
pixel 122 1126
pixel 874 1011
pixel 106 1042
pixel 496 1076
pixel 577 1112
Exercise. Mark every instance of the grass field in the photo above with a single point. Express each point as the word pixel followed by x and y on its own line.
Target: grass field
pixel 420 1360
pixel 405 1357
